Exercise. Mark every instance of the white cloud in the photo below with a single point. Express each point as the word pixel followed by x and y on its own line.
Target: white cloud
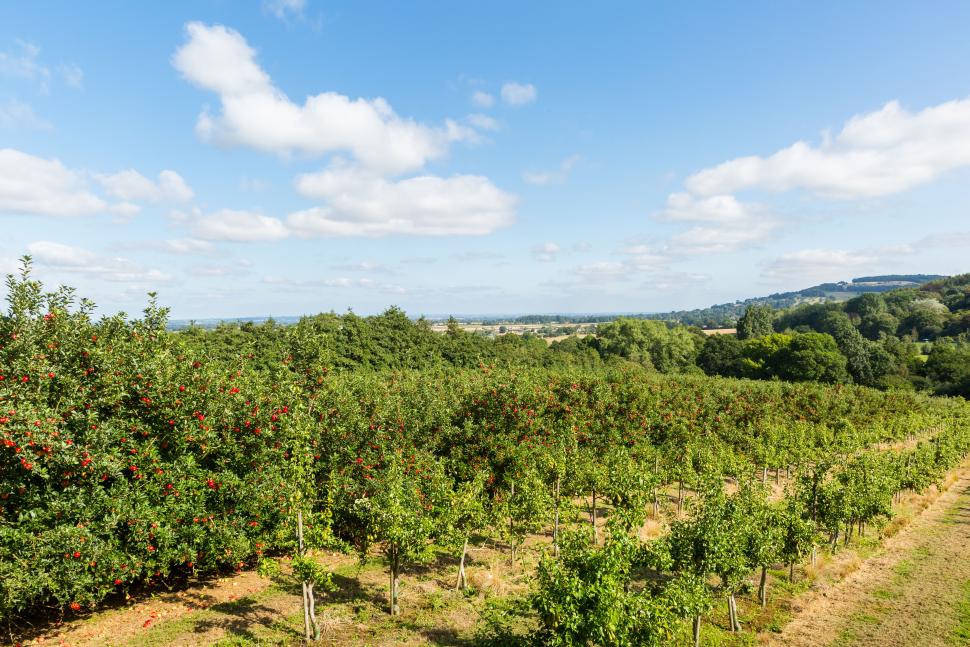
pixel 560 175
pixel 125 211
pixel 721 223
pixel 16 114
pixel 57 256
pixel 647 261
pixel 721 238
pixel 257 114
pixel 24 64
pixel 483 122
pixel 716 208
pixel 361 203
pixel 518 94
pixel 546 252
pixel 282 9
pixel 483 99
pixel 73 75
pixel 239 226
pixel 875 154
pixel 820 265
pixel 34 185
pixel 132 185
pixel 186 246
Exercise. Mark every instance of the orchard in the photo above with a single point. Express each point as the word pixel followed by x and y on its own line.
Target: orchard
pixel 131 455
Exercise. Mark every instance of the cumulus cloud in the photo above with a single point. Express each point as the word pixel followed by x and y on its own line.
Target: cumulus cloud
pixel 715 209
pixel 558 176
pixel 38 186
pixel 57 256
pixel 722 238
pixel 483 99
pixel 518 94
pixel 239 226
pixel 546 252
pixel 257 114
pixel 362 203
pixel 875 154
pixel 719 223
pixel 131 185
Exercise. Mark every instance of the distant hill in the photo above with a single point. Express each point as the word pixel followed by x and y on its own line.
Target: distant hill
pixel 726 314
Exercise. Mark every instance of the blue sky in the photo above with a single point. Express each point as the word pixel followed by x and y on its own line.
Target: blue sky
pixel 296 156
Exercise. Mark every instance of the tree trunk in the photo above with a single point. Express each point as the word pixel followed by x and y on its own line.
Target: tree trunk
pixel 309 622
pixel 733 614
pixel 511 527
pixel 593 519
pixel 462 581
pixel 395 577
pixel 764 474
pixel 763 587
pixel 680 495
pixel 555 524
pixel 777 475
pixel 697 631
pixel 814 554
pixel 306 612
pixel 313 612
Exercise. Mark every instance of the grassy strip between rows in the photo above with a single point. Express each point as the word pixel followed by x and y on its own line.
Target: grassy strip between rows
pixel 961 634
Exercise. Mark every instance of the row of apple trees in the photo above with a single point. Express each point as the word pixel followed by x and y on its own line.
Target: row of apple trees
pixel 131 458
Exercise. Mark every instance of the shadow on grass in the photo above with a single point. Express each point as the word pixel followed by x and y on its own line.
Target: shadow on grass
pixel 43 621
pixel 242 618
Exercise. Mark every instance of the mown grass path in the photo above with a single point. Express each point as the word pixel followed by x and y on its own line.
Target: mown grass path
pixel 912 592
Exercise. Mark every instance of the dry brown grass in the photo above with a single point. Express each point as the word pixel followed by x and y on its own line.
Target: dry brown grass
pixel 903 595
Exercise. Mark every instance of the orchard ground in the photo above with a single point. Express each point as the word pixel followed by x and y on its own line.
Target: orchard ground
pixel 907 581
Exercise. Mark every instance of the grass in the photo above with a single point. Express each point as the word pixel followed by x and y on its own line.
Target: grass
pixel 231 615
pixel 961 633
